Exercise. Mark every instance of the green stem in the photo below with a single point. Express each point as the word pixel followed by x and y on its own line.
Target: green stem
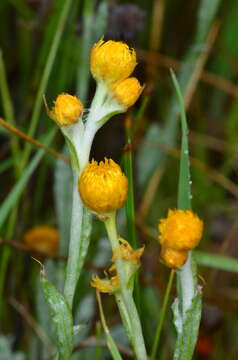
pixel 186 284
pixel 130 212
pixel 110 342
pixel 131 311
pixel 72 275
pixel 162 315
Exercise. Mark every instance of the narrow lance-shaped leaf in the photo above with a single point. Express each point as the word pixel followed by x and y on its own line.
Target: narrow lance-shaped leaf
pixel 61 317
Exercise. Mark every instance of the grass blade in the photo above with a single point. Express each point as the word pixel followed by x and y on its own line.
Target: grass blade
pixel 110 342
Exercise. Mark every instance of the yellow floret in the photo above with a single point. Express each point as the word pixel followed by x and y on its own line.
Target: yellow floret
pixel 173 258
pixel 67 110
pixel 42 238
pixel 105 285
pixel 103 187
pixel 127 91
pixel 112 60
pixel 181 230
pixel 126 252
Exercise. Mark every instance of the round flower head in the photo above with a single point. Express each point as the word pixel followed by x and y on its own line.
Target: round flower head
pixel 127 91
pixel 173 258
pixel 66 110
pixel 42 238
pixel 181 230
pixel 112 60
pixel 103 187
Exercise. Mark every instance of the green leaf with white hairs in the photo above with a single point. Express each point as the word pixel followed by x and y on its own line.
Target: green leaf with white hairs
pixel 61 317
pixel 187 327
pixel 63 186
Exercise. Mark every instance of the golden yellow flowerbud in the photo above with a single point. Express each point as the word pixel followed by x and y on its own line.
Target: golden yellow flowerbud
pixel 173 258
pixel 181 230
pixel 105 285
pixel 112 60
pixel 126 252
pixel 127 91
pixel 103 186
pixel 42 238
pixel 66 110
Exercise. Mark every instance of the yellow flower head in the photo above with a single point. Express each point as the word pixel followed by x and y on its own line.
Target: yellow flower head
pixel 127 91
pixel 173 258
pixel 125 251
pixel 66 110
pixel 42 238
pixel 181 230
pixel 105 285
pixel 112 60
pixel 103 186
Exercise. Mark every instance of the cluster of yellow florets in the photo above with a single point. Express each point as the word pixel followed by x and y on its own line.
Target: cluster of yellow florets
pixel 103 186
pixel 113 62
pixel 180 232
pixel 67 110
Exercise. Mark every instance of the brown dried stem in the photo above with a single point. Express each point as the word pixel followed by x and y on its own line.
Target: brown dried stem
pixel 30 140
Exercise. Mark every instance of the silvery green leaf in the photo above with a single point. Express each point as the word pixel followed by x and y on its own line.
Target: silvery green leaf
pixel 73 154
pixel 6 351
pixel 61 317
pixel 85 238
pixel 187 327
pixel 63 187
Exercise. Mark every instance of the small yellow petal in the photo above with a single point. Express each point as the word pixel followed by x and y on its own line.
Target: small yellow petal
pixel 105 285
pixel 126 252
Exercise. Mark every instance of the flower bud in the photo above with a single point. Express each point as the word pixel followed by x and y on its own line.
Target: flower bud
pixel 112 60
pixel 42 238
pixel 67 110
pixel 127 91
pixel 103 187
pixel 181 230
pixel 173 258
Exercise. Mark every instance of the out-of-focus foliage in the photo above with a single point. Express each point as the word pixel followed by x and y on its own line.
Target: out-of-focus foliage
pixel 38 53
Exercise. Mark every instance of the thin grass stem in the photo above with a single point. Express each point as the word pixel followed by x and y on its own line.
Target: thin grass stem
pixel 162 315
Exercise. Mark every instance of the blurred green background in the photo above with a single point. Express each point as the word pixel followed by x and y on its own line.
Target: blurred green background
pixel 45 51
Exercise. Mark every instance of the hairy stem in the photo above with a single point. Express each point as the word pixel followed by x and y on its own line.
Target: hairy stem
pixel 128 307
